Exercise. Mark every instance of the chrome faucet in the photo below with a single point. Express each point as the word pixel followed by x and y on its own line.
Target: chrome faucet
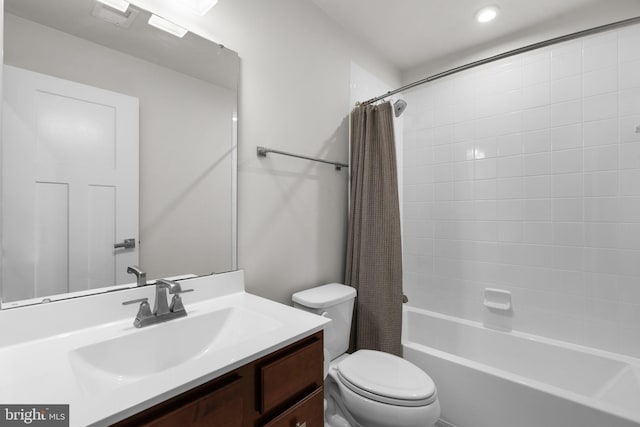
pixel 161 306
pixel 162 310
pixel 141 276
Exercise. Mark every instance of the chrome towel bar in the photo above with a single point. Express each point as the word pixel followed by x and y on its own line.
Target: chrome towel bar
pixel 262 152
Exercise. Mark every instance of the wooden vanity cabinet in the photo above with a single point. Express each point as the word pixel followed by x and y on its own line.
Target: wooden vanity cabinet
pixel 282 389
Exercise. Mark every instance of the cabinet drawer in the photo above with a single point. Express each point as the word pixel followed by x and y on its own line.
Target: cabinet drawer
pixel 309 412
pixel 291 375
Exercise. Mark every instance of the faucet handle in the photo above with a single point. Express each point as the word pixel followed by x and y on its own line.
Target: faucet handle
pixel 144 311
pixel 135 301
pixel 176 302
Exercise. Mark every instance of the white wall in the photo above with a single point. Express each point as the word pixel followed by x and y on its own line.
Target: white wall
pixel 525 175
pixel 185 178
pixel 294 96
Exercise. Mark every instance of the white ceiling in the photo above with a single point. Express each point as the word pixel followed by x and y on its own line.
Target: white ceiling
pixel 411 33
pixel 191 55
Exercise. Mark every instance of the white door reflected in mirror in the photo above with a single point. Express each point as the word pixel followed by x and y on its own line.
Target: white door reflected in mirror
pixel 70 178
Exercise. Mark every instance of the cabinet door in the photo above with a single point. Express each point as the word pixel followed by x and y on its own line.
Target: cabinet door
pixel 306 413
pixel 223 406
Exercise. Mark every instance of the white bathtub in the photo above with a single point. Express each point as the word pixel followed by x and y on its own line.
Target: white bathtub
pixel 488 378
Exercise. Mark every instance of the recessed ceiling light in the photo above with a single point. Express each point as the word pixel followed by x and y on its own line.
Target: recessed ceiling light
pixel 121 5
pixel 487 14
pixel 168 26
pixel 201 7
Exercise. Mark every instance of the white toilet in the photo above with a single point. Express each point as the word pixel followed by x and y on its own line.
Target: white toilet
pixel 367 388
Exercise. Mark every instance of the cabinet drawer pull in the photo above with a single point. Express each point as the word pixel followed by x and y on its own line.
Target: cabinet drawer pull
pixel 304 424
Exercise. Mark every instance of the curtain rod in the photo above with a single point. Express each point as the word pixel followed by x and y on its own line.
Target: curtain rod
pixel 507 54
pixel 262 152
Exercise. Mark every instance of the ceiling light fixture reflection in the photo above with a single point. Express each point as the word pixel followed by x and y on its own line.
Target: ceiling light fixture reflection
pixel 121 5
pixel 487 14
pixel 168 26
pixel 201 7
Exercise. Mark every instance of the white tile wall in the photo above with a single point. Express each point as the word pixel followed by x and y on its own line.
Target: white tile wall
pixel 525 175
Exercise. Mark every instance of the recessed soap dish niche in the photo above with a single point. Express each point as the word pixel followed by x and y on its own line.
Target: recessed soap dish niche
pixel 498 313
pixel 497 299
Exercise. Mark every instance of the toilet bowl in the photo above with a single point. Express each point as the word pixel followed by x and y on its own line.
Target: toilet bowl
pixel 367 388
pixel 375 389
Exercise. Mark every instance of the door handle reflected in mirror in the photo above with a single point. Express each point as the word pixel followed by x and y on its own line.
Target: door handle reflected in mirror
pixel 127 244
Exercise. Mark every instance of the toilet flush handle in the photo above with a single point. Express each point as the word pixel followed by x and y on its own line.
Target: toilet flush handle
pixel 323 314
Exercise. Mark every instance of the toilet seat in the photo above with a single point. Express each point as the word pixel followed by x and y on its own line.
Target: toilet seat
pixel 386 378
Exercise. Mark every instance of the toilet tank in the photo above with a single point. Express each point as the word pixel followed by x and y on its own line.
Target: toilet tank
pixel 334 301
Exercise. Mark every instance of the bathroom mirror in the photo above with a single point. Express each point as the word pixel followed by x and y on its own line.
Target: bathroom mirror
pixel 118 148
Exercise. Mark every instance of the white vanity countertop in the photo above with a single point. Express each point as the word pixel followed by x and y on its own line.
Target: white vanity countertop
pixel 38 368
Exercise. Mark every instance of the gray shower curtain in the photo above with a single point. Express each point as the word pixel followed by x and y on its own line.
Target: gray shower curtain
pixel 374 250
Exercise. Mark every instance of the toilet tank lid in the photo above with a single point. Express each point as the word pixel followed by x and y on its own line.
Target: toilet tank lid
pixel 324 296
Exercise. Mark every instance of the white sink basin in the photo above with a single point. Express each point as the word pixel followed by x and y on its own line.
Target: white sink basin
pixel 109 364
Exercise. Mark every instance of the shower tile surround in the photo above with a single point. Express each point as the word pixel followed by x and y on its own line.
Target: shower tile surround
pixel 524 175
